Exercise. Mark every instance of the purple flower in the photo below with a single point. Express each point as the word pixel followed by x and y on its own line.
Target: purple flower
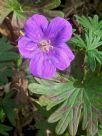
pixel 44 44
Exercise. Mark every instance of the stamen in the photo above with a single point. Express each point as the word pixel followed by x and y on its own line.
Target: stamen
pixel 45 45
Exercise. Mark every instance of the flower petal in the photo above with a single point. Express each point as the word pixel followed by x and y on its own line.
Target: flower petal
pixel 26 47
pixel 42 67
pixel 62 57
pixel 35 26
pixel 59 30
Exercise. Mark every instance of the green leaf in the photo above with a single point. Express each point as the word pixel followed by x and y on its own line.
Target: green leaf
pixel 100 130
pixel 77 41
pixel 46 4
pixel 9 104
pixel 84 21
pixel 92 42
pixel 59 92
pixel 52 4
pixel 90 23
pixel 47 7
pixel 73 101
pixel 4 129
pixel 2 114
pixel 53 13
pixel 89 44
pixel 67 115
pixel 58 95
pixel 4 11
pixel 92 57
pixel 91 60
pixel 7 58
pixel 90 117
pixel 41 121
pixel 8 6
pixel 76 114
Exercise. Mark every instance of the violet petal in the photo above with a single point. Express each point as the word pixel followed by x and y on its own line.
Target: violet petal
pixel 35 27
pixel 26 47
pixel 42 67
pixel 62 57
pixel 59 30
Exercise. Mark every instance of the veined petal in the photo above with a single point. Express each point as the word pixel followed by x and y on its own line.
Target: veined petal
pixel 26 47
pixel 35 26
pixel 41 66
pixel 59 30
pixel 67 50
pixel 62 57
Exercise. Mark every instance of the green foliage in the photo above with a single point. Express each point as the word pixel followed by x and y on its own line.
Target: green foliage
pixel 68 103
pixel 7 109
pixel 16 7
pixel 8 6
pixel 46 4
pixel 41 121
pixel 100 130
pixel 42 6
pixel 43 127
pixel 8 105
pixel 4 129
pixel 53 13
pixel 20 9
pixel 52 4
pixel 4 11
pixel 74 101
pixel 46 7
pixel 91 24
pixel 77 70
pixel 7 58
pixel 90 42
pixel 2 114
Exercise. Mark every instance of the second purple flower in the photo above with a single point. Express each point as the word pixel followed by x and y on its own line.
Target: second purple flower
pixel 44 44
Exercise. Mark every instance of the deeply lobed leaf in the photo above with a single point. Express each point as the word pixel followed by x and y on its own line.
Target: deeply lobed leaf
pixel 78 101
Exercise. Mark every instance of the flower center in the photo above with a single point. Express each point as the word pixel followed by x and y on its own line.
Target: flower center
pixel 45 45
